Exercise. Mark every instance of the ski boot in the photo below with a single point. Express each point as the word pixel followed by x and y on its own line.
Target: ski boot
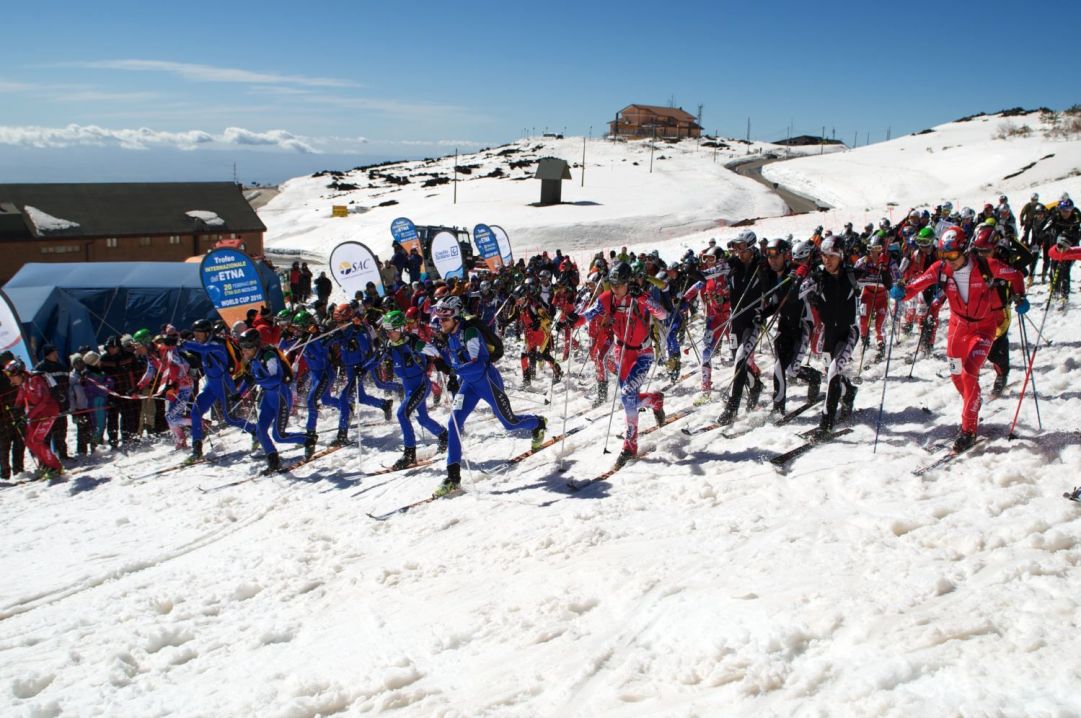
pixel 196 451
pixel 409 457
pixel 341 439
pixel 729 413
pixel 753 393
pixel 824 428
pixel 881 349
pixel 847 401
pixel 777 410
pixel 704 398
pixel 387 404
pixel 309 444
pixel 557 374
pixel 538 433
pixel 273 464
pixel 602 393
pixel 673 366
pixel 443 438
pixel 814 387
pixel 964 440
pixel 999 385
pixel 452 483
pixel 658 413
pixel 624 456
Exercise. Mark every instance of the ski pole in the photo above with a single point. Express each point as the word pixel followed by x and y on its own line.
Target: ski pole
pixel 886 374
pixel 1039 336
pixel 1028 372
pixel 570 377
pixel 1035 395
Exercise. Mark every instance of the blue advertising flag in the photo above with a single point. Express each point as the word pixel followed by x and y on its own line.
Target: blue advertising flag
pixel 487 246
pixel 231 280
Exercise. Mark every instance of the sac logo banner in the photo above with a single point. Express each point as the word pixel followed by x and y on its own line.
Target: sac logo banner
pixel 232 282
pixel 353 265
pixel 447 255
pixel 487 247
pixel 11 332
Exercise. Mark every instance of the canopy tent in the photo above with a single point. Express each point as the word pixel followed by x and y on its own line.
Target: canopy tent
pixel 70 305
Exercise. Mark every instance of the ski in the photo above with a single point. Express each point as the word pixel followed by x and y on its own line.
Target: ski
pixel 415 504
pixel 191 462
pixel 798 410
pixel 1074 495
pixel 683 377
pixel 785 458
pixel 391 470
pixel 547 442
pixel 946 458
pixel 576 486
pixel 317 455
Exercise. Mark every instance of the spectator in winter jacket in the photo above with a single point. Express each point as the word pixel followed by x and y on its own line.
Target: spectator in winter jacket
pixel 294 281
pixel 413 265
pixel 305 282
pixel 57 374
pixel 323 287
pixel 12 421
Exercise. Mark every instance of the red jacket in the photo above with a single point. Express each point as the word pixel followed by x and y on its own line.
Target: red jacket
pixel 36 396
pixel 630 318
pixel 1060 256
pixel 984 305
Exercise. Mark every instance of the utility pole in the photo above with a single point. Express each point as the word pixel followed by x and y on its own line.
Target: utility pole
pixel 584 158
pixel 822 141
pixel 716 135
pixel 652 142
pixel 855 138
pixel 455 175
pixel 888 128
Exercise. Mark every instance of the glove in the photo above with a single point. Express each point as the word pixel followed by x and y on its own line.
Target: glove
pixel 572 318
pixel 897 292
pixel 171 395
pixel 1022 305
pixel 801 271
pixel 1062 242
pixel 452 384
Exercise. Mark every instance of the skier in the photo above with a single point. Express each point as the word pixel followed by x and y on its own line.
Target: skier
pixel 747 285
pixel 875 273
pixel 795 322
pixel 268 370
pixel 35 394
pixel 1012 253
pixel 406 351
pixel 11 418
pixel 467 354
pixel 318 353
pixel 356 349
pixel 176 385
pixel 973 319
pixel 834 292
pixel 1064 221
pixel 536 322
pixel 713 291
pixel 219 362
pixel 630 358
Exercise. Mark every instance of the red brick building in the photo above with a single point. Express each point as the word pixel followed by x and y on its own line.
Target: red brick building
pixel 121 222
pixel 650 120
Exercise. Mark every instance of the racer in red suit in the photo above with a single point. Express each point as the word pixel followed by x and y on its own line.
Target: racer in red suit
pixel 632 353
pixel 35 394
pixel 975 312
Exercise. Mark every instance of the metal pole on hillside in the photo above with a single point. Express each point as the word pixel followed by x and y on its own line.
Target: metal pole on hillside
pixel 651 144
pixel 455 175
pixel 822 142
pixel 584 158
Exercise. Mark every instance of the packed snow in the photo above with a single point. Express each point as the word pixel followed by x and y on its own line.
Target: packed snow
pixel 45 222
pixel 699 581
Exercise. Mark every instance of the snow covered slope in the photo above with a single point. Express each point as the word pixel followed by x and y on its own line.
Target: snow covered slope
pixel 621 202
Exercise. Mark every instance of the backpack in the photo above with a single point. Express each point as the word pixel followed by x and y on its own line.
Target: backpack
pixel 493 340
pixel 287 368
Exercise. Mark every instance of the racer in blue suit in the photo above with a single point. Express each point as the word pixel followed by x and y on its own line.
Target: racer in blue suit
pixel 267 369
pixel 218 385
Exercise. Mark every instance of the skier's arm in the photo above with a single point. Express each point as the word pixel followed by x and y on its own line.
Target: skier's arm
pixel 929 277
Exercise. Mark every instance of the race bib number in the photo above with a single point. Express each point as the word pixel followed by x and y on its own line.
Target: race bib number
pixel 955 365
pixel 458 402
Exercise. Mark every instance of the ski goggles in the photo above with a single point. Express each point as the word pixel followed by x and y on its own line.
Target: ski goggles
pixel 775 253
pixel 950 255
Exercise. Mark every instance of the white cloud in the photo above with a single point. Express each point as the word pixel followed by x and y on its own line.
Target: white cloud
pixel 209 73
pixel 144 138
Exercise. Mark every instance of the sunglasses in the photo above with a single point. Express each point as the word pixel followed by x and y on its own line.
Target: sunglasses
pixel 774 253
pixel 950 255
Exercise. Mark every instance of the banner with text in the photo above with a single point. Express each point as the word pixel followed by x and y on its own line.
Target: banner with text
pixel 503 241
pixel 353 265
pixel 405 233
pixel 232 282
pixel 488 247
pixel 12 338
pixel 447 255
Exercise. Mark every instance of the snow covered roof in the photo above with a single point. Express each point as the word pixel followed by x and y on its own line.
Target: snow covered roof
pixel 124 208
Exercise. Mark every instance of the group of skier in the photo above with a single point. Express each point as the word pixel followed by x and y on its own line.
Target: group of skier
pixel 629 315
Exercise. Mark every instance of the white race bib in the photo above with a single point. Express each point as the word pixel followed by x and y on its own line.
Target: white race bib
pixel 458 402
pixel 955 365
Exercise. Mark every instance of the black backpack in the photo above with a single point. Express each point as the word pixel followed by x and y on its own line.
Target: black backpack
pixel 493 340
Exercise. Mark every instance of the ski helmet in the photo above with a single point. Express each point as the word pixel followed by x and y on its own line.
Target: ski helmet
pixel 832 247
pixel 91 358
pixel 985 239
pixel 878 241
pixel 303 318
pixel 747 237
pixel 250 339
pixel 199 325
pixel 968 214
pixel 925 237
pixel 448 307
pixel 777 245
pixel 952 240
pixel 1065 205
pixel 284 316
pixel 394 320
pixel 803 251
pixel 946 207
pixel 14 367
pixel 620 274
pixel 239 328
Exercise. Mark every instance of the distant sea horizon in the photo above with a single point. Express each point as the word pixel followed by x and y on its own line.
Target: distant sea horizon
pixel 108 164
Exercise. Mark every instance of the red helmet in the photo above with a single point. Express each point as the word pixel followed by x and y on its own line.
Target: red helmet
pixel 985 238
pixel 412 313
pixel 952 240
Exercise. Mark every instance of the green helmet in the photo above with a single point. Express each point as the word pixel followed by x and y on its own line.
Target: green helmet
pixel 302 318
pixel 143 336
pixel 925 237
pixel 284 316
pixel 394 319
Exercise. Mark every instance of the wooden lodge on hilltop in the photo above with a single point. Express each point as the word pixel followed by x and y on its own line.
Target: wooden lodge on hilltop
pixel 653 121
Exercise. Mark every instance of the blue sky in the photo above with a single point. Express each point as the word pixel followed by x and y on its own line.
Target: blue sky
pixel 137 90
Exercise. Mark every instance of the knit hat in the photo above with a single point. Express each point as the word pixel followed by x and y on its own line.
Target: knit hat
pixel 91 358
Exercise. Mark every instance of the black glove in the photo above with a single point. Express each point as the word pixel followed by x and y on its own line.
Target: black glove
pixel 572 318
pixel 452 384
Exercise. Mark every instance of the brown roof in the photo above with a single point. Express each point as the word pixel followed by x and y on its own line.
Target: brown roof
pixel 673 112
